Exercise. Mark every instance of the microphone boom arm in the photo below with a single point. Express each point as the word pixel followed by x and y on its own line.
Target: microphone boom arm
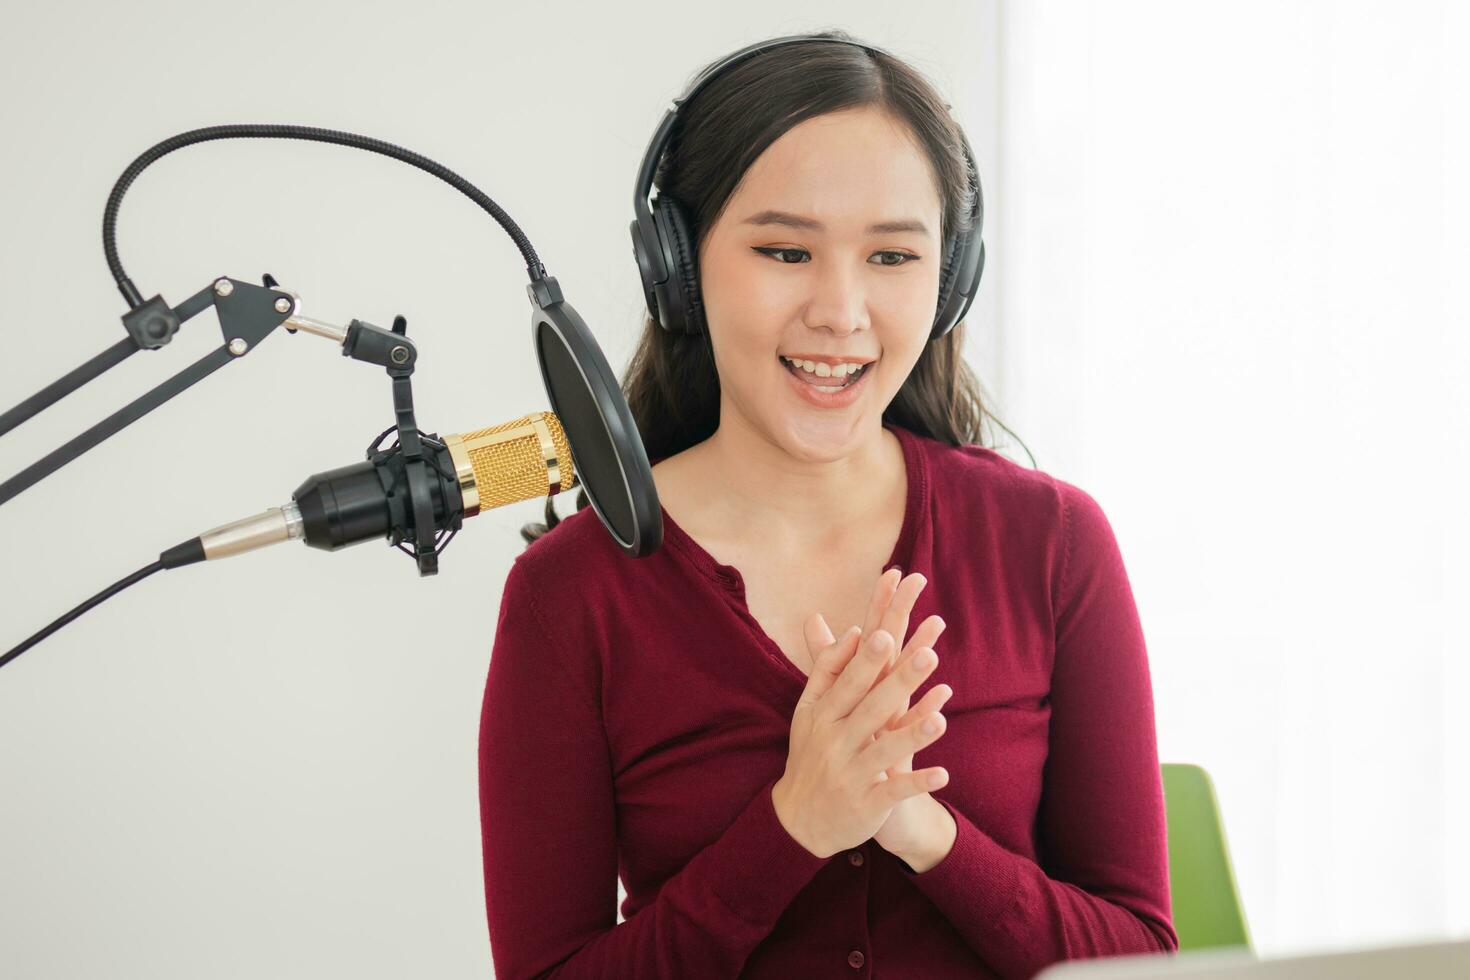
pixel 247 315
pixel 152 324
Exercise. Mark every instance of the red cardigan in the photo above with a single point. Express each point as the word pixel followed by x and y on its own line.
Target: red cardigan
pixel 636 716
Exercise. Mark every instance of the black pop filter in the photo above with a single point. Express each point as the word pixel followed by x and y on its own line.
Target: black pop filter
pixel 607 451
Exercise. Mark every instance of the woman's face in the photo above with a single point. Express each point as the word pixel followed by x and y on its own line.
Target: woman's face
pixel 793 266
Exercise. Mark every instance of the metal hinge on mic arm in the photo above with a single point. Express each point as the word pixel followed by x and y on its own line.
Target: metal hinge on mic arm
pixel 247 315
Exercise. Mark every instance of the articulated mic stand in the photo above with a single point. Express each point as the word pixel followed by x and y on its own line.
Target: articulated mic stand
pixel 248 314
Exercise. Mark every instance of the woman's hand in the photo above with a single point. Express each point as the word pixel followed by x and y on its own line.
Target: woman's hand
pixel 834 794
pixel 893 601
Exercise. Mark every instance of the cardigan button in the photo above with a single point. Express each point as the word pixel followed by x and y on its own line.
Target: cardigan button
pixel 856 858
pixel 855 959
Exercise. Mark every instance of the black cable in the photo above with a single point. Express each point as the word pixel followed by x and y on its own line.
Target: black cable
pixel 106 593
pixel 281 131
pixel 191 551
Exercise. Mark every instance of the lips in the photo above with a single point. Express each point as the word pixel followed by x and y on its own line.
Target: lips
pixel 828 396
pixel 816 381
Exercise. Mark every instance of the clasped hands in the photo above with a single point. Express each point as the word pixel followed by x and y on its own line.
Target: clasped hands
pixel 848 722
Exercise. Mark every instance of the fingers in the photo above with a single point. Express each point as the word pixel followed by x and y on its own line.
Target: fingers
pixel 883 591
pixel 900 787
pixel 831 660
pixel 934 699
pixel 926 634
pixel 887 698
pixel 892 603
pixel 852 687
pixel 896 616
pixel 893 615
pixel 892 747
pixel 818 633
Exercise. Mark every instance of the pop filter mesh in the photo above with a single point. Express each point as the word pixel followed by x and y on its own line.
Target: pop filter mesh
pixel 581 415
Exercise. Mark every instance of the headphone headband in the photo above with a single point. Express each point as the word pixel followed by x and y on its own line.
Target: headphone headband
pixel 665 252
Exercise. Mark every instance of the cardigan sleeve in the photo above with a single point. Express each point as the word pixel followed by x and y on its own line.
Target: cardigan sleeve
pixel 1103 886
pixel 548 829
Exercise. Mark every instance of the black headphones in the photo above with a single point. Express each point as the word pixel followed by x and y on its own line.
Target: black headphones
pixel 665 251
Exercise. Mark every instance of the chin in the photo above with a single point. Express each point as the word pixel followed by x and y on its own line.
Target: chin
pixel 821 439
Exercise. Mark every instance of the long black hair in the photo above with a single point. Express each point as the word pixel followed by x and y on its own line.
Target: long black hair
pixel 671 383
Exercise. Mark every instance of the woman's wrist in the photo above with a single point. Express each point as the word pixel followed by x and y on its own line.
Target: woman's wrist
pixel 784 819
pixel 936 843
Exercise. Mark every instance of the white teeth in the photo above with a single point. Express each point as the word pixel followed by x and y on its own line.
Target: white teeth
pixel 824 370
pixel 819 369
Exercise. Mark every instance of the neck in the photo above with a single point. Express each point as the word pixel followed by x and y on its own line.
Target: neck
pixel 800 490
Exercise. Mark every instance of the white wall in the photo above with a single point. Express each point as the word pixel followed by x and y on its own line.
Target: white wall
pixel 1221 242
pixel 265 766
pixel 1233 236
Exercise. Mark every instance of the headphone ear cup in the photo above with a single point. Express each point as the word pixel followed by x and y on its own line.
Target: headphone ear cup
pixel 680 297
pixel 645 273
pixel 946 286
pixel 966 266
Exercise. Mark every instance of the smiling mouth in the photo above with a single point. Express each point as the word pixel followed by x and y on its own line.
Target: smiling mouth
pixel 816 381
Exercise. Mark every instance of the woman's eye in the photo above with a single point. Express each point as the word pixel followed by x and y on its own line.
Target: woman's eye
pixel 777 253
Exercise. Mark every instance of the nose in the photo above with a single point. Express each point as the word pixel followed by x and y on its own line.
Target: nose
pixel 837 302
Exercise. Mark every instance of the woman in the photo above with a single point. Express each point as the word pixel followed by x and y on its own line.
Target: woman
pixel 689 722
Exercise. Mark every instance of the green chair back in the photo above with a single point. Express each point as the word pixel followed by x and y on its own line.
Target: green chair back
pixel 1206 902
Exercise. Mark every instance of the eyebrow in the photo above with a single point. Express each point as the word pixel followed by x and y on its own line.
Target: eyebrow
pixel 811 224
